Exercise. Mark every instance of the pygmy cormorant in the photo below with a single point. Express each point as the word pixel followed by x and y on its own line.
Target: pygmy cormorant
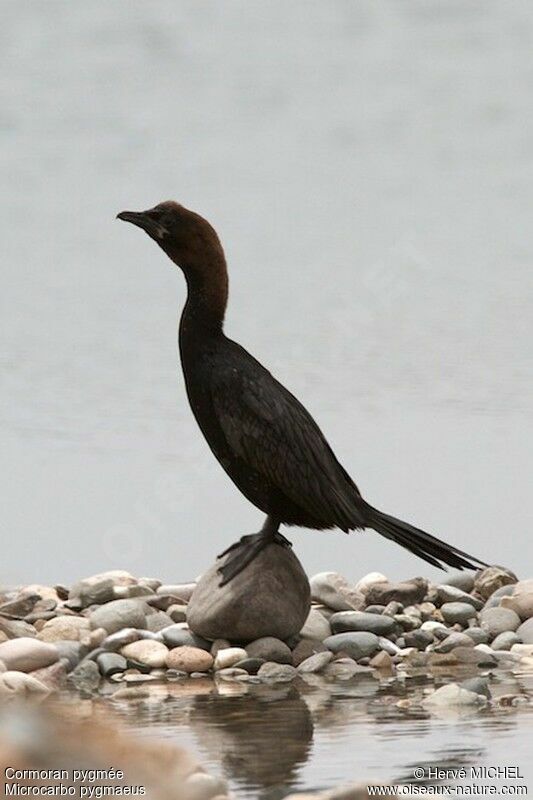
pixel 263 437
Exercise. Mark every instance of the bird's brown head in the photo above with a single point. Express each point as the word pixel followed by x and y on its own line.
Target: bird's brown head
pixel 186 237
pixel 192 243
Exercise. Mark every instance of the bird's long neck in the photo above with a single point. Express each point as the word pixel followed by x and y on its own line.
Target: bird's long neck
pixel 207 296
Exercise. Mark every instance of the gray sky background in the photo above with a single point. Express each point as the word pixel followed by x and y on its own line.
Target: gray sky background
pixel 369 167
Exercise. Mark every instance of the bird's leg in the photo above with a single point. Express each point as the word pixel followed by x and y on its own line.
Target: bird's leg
pixel 248 547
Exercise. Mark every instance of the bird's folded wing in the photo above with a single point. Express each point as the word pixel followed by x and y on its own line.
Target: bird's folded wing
pixel 270 430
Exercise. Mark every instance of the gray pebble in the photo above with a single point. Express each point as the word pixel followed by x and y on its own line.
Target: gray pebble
pixel 250 665
pixel 270 649
pixel 419 639
pixel 525 631
pixel 174 636
pixel 477 685
pixel 451 594
pixel 315 663
pixel 111 663
pixel 503 591
pixel 119 614
pixel 455 639
pixel 86 677
pixel 505 640
pixel 478 635
pixel 356 645
pixel 457 612
pixel 461 580
pixel 497 620
pixel 363 621
pixel 270 672
pixel 71 652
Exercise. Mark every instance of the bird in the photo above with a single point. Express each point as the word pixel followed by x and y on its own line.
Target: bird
pixel 262 436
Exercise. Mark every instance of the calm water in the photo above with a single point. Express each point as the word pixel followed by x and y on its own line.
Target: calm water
pixel 270 741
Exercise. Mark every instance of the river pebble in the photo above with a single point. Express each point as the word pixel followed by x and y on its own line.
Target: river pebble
pixel 150 653
pixel 356 645
pixel 379 624
pixel 270 649
pixel 189 659
pixel 25 654
pixel 457 612
pixel 119 614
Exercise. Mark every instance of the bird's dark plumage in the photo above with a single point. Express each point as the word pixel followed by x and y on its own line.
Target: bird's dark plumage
pixel 263 437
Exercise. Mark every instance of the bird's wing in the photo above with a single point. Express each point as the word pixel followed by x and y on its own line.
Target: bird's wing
pixel 270 430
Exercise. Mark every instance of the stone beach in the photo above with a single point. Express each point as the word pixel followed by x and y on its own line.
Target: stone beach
pixel 117 639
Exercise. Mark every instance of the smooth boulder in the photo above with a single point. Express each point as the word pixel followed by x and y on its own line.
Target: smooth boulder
pixel 270 597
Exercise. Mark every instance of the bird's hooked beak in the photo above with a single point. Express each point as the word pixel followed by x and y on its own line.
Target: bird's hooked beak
pixel 144 220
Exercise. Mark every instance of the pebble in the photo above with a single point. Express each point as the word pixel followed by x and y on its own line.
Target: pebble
pixel 150 653
pixel 316 662
pixel 453 695
pixel 457 612
pixel 86 676
pixel 119 614
pixel 390 647
pixel 433 626
pixel 26 655
pixel 505 640
pixel 71 653
pixel 250 665
pixel 521 603
pixel 177 613
pixel 306 648
pixel 117 640
pixel 419 639
pixel 343 669
pixel 379 624
pixel 97 593
pixel 17 628
pixel 496 597
pixel 478 685
pixel 189 659
pixel 270 649
pixel 64 628
pixel 382 660
pixel 158 621
pixel 182 590
pixel 111 663
pixel 525 631
pixel 356 645
pixel 54 676
pixel 372 578
pixel 498 620
pixel 334 591
pixel 176 636
pixel 228 657
pixel 219 644
pixel 316 626
pixel 491 578
pixel 461 580
pixel 272 672
pixel 405 592
pixel 451 594
pixel 18 683
pixel 455 639
pixel 478 635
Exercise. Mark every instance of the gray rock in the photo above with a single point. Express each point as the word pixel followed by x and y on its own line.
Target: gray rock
pixel 182 590
pixel 451 594
pixel 316 626
pixel 116 641
pixel 478 635
pixel 356 645
pixel 342 669
pixel 419 639
pixel 491 578
pixel 457 612
pixel 407 592
pixel 86 677
pixel 334 591
pixel 97 593
pixel 477 685
pixel 453 695
pixel 315 663
pixel 525 631
pixel 269 649
pixel 391 648
pixel 505 640
pixel 270 672
pixel 361 621
pixel 71 653
pixel 26 655
pixel 158 621
pixel 498 620
pixel 461 580
pixel 181 637
pixel 306 648
pixel 119 614
pixel 521 602
pixel 270 597
pixel 495 598
pixel 111 663
pixel 455 639
pixel 17 628
pixel 250 665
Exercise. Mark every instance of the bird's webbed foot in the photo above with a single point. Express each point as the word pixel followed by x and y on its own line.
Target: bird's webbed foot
pixel 245 550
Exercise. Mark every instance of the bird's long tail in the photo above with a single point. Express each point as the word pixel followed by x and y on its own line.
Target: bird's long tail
pixel 422 544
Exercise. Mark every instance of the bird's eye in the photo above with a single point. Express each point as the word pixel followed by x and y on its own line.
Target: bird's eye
pixel 156 213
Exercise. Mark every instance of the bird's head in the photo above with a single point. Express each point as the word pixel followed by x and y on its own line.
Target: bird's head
pixel 186 237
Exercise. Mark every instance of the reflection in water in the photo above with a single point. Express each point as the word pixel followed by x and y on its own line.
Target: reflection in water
pixel 259 739
pixel 270 741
